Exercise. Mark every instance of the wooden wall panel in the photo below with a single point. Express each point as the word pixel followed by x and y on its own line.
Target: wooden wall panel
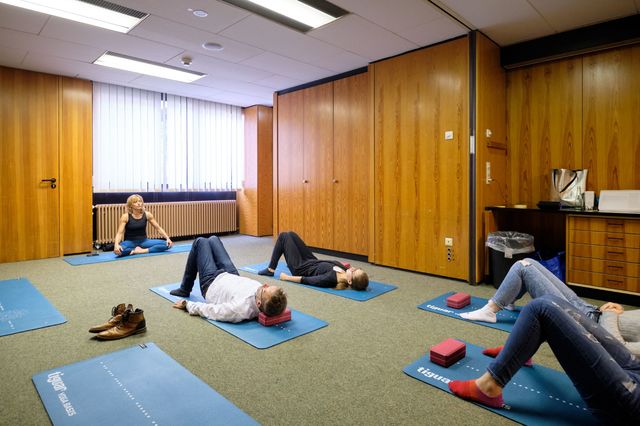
pixel 318 165
pixel 290 214
pixel 611 127
pixel 76 148
pixel 544 113
pixel 29 114
pixel 491 139
pixel 421 188
pixel 351 133
pixel 256 197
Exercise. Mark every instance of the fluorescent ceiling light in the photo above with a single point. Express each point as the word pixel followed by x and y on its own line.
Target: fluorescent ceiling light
pixel 303 15
pixel 128 63
pixel 93 12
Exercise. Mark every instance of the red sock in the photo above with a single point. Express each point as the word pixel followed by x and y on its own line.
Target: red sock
pixel 493 352
pixel 469 390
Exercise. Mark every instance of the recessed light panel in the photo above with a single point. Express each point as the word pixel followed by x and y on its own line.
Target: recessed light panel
pixel 129 63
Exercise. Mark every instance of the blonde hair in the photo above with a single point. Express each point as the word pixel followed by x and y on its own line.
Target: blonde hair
pixel 132 199
pixel 276 304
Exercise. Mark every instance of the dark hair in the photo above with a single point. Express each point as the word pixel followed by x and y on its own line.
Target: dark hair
pixel 276 304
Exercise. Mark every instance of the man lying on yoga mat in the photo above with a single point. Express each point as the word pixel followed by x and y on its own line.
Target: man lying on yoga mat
pixel 307 269
pixel 131 237
pixel 602 369
pixel 228 296
pixel 529 276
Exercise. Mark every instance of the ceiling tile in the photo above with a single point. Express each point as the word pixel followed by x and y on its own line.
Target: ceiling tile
pixel 48 46
pixel 17 18
pixel 363 38
pixel 279 82
pixel 217 68
pixel 10 57
pixel 570 14
pixel 395 16
pixel 104 40
pixel 278 64
pixel 179 35
pixel 434 31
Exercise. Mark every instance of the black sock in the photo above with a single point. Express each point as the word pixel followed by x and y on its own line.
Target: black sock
pixel 265 272
pixel 180 292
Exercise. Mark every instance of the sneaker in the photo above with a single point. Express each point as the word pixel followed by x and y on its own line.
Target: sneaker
pixel 266 272
pixel 180 292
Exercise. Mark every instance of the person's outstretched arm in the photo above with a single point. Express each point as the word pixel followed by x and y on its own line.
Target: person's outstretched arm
pixel 120 234
pixel 152 220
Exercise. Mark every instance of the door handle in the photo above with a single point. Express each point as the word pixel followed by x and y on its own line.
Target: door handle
pixel 52 180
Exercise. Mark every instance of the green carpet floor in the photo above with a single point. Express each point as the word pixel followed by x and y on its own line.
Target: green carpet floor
pixel 349 373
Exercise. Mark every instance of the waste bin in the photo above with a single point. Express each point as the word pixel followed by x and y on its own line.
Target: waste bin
pixel 505 249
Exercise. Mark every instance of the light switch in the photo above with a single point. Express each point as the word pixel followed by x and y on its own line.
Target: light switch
pixel 448 135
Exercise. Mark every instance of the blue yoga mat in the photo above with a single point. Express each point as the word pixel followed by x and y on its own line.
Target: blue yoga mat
pixel 506 318
pixel 139 385
pixel 253 332
pixel 536 395
pixel 373 290
pixel 23 308
pixel 110 256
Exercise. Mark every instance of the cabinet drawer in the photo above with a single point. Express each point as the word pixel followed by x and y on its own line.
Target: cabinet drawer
pixel 621 254
pixel 604 266
pixel 616 282
pixel 610 239
pixel 625 226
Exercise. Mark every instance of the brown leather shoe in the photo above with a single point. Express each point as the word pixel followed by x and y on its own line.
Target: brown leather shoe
pixel 132 322
pixel 116 316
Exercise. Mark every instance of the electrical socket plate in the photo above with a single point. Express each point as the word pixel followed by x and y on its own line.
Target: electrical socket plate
pixel 448 135
pixel 448 242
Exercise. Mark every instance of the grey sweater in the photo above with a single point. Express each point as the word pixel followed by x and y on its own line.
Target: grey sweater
pixel 624 327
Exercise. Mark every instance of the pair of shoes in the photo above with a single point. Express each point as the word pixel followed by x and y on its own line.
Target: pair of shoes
pixel 125 322
pixel 116 317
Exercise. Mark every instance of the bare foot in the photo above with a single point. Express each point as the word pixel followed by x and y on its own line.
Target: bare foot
pixel 139 250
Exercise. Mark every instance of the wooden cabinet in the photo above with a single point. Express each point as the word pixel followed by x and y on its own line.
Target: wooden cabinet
pixel 256 197
pixel 322 157
pixel 604 252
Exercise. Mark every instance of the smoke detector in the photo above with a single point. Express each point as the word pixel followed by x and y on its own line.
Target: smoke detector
pixel 186 60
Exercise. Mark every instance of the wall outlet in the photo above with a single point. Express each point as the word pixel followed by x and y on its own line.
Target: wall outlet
pixel 448 241
pixel 450 254
pixel 448 135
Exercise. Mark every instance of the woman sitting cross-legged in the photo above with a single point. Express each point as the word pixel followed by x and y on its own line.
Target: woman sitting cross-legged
pixel 529 276
pixel 308 269
pixel 605 373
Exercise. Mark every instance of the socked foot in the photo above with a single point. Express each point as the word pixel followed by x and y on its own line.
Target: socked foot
pixel 484 314
pixel 180 292
pixel 267 272
pixel 469 390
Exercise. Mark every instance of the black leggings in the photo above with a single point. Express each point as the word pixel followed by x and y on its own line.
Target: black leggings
pixel 295 252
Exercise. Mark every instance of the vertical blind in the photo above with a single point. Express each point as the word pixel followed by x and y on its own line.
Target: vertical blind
pixel 147 141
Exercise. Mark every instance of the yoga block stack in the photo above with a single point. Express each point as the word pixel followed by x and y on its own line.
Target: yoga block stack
pixel 447 352
pixel 268 321
pixel 458 300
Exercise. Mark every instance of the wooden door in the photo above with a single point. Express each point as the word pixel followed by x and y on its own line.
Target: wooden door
pixel 351 124
pixel 318 166
pixel 290 197
pixel 76 147
pixel 29 107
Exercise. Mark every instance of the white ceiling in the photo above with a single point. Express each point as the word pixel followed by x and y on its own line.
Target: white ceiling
pixel 261 56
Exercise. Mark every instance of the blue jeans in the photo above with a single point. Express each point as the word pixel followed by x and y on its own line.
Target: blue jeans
pixel 537 280
pixel 209 258
pixel 604 372
pixel 154 246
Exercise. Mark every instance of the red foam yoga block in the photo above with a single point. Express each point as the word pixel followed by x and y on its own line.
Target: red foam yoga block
pixel 458 300
pixel 267 321
pixel 346 264
pixel 448 352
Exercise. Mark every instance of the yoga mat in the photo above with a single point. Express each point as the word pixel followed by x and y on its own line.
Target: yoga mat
pixel 252 332
pixel 373 290
pixel 139 385
pixel 506 318
pixel 536 395
pixel 23 308
pixel 110 256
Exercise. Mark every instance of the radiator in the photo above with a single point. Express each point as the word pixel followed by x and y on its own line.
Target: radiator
pixel 179 219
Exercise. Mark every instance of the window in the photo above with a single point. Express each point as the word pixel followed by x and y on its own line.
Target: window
pixel 147 141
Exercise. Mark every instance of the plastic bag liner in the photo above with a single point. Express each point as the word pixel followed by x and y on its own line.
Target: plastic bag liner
pixel 510 242
pixel 555 264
